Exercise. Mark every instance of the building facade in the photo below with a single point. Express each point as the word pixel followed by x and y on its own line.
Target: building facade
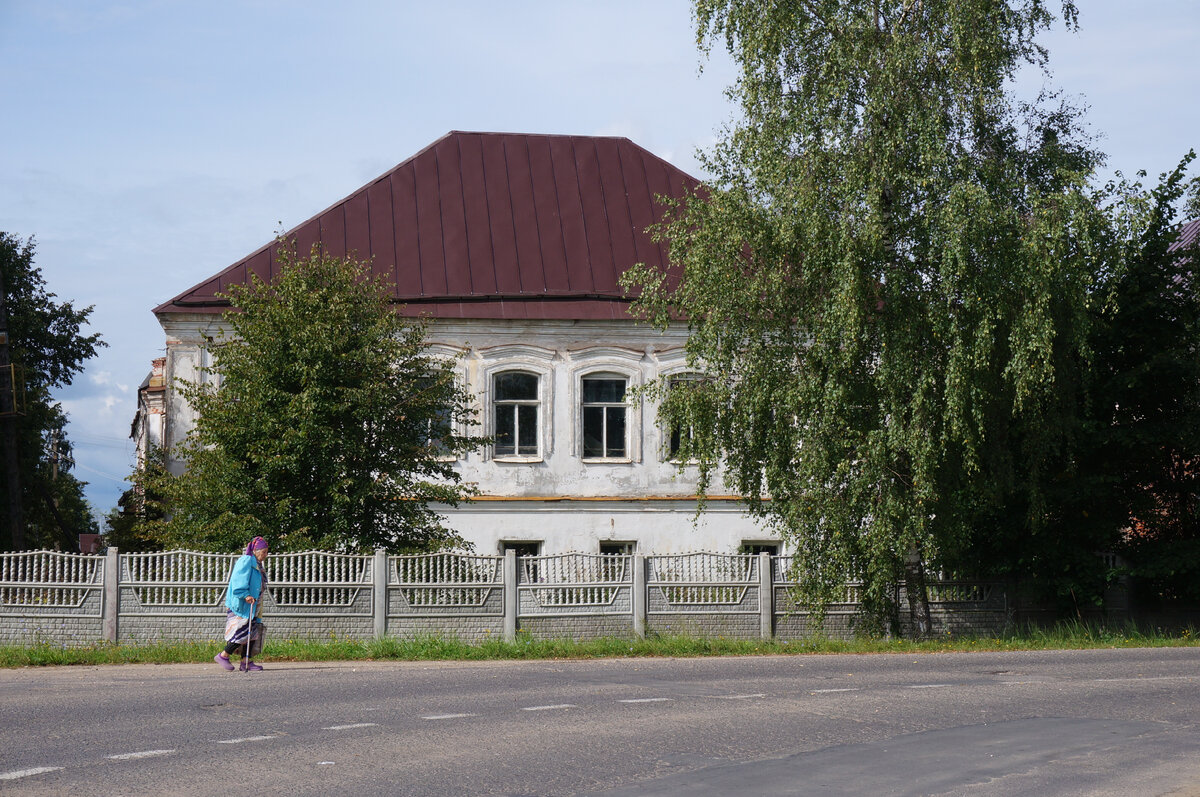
pixel 512 246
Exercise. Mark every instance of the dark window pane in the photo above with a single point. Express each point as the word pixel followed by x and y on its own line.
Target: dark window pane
pixel 603 390
pixel 506 430
pixel 514 386
pixel 593 431
pixel 615 440
pixel 676 441
pixel 527 431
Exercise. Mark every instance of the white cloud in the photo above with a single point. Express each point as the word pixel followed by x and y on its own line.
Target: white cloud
pixel 105 379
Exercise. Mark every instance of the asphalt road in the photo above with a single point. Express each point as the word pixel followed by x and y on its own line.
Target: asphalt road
pixel 1111 722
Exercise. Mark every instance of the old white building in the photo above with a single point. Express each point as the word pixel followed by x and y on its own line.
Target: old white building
pixel 513 245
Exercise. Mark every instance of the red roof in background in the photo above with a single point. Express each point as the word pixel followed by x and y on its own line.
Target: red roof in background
pixel 491 225
pixel 1188 234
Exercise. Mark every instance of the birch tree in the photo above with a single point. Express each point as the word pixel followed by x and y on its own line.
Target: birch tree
pixel 888 281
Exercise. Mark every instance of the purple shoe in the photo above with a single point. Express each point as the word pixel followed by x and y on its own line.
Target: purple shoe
pixel 249 666
pixel 224 662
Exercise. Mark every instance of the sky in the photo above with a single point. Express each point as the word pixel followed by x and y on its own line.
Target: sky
pixel 146 145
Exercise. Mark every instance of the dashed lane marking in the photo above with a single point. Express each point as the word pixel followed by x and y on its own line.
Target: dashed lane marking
pixel 448 716
pixel 927 686
pixel 139 754
pixel 247 739
pixel 25 773
pixel 826 691
pixel 647 700
pixel 737 697
pixel 348 727
pixel 548 708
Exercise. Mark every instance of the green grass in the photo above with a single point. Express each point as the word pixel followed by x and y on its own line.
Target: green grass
pixel 1064 636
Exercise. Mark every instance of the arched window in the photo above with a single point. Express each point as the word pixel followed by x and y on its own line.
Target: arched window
pixel 515 408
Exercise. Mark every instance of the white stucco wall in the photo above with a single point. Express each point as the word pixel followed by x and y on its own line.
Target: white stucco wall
pixel 555 497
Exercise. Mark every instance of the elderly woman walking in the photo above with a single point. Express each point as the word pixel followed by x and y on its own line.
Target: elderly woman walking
pixel 242 598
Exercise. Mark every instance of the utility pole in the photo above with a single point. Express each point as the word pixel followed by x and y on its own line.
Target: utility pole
pixel 8 428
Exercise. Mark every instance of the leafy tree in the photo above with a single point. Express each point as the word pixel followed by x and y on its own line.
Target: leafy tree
pixel 46 345
pixel 889 283
pixel 139 521
pixel 1148 395
pixel 332 426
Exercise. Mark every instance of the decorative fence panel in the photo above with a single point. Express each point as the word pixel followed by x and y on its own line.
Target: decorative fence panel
pixel 576 595
pixel 446 593
pixel 73 599
pixel 704 593
pixel 51 597
pixel 171 595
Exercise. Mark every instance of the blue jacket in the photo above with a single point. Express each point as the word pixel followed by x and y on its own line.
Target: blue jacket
pixel 244 580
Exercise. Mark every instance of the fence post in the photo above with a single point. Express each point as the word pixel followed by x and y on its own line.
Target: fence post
pixel 512 600
pixel 766 596
pixel 112 575
pixel 380 578
pixel 639 596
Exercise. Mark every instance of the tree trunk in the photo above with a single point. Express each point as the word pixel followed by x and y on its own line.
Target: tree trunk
pixel 919 616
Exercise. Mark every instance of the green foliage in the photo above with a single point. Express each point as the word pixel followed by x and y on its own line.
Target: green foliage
pixel 890 282
pixel 1148 396
pixel 45 341
pixel 1067 636
pixel 140 520
pixel 332 427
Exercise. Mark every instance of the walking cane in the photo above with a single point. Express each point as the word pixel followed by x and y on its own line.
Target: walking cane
pixel 249 628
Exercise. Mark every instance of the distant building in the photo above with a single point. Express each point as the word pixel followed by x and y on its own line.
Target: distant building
pixel 513 245
pixel 149 423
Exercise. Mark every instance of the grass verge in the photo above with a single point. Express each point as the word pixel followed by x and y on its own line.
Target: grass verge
pixel 1064 636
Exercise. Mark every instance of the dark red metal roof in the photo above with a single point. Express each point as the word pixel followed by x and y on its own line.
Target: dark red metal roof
pixel 491 225
pixel 1188 234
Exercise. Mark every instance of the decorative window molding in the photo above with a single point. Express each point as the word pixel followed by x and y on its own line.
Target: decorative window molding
pixel 595 406
pixel 516 359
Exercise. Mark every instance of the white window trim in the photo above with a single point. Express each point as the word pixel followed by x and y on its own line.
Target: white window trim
pixel 528 359
pixel 598 361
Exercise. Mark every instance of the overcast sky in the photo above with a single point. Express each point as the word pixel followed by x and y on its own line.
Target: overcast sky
pixel 147 145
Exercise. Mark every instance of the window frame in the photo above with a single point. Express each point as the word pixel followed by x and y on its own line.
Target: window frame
pixel 605 406
pixel 531 360
pixel 614 363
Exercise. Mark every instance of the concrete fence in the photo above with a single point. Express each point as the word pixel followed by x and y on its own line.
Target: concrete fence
pixel 80 599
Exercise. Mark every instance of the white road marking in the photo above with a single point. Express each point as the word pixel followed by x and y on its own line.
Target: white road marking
pixel 927 686
pixel 25 773
pixel 448 716
pixel 324 763
pixel 547 708
pixel 1136 680
pixel 648 700
pixel 246 739
pixel 139 754
pixel 824 691
pixel 737 697
pixel 348 727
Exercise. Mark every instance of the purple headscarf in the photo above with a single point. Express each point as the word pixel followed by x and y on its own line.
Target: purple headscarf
pixel 256 544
